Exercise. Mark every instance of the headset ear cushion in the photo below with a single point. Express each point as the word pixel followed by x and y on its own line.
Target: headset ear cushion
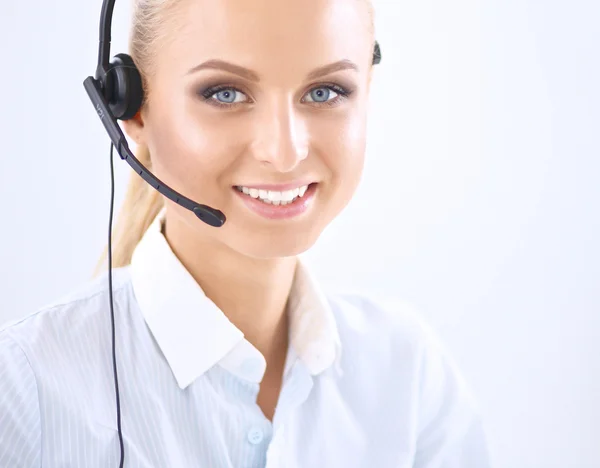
pixel 126 94
pixel 376 53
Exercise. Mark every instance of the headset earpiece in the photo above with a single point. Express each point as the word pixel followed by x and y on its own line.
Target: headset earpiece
pixel 123 87
pixel 376 53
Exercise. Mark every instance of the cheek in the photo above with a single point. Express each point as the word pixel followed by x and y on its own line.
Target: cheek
pixel 193 152
pixel 345 151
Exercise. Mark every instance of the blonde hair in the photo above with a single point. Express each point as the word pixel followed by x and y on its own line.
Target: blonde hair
pixel 142 203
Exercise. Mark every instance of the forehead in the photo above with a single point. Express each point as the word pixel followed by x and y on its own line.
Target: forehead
pixel 294 35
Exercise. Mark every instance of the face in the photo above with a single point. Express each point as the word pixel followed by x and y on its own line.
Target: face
pixel 241 97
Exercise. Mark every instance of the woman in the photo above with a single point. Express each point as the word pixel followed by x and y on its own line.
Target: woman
pixel 229 353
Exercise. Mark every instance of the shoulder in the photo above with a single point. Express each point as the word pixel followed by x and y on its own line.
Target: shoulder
pixel 67 317
pixel 389 342
pixel 19 407
pixel 389 336
pixel 386 337
pixel 386 319
pixel 399 336
pixel 47 352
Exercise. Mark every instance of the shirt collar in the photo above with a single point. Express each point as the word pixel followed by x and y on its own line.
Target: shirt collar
pixel 194 334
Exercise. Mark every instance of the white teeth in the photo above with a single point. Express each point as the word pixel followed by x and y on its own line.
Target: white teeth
pixel 288 195
pixel 276 198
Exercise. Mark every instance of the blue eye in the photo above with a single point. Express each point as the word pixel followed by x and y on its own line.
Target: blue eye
pixel 321 94
pixel 226 95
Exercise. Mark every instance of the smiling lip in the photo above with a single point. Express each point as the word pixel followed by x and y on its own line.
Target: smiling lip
pixel 270 211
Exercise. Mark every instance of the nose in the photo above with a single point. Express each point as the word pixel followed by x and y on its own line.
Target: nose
pixel 281 138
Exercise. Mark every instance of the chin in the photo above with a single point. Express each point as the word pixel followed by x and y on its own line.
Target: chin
pixel 275 246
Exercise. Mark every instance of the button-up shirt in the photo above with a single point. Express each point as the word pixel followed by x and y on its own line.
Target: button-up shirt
pixel 366 381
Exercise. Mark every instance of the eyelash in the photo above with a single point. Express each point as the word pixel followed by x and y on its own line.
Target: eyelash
pixel 208 93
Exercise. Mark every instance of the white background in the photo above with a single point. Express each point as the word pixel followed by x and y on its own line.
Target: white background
pixel 478 202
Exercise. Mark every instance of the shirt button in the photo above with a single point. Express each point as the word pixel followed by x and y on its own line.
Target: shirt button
pixel 255 436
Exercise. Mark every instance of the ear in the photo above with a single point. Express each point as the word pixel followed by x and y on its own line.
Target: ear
pixel 134 128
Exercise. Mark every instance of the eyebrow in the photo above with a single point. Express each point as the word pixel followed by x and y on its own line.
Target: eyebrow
pixel 251 75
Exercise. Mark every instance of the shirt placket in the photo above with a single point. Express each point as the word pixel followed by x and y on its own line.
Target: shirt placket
pixel 294 392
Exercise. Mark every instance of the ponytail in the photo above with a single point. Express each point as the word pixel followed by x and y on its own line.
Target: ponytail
pixel 141 205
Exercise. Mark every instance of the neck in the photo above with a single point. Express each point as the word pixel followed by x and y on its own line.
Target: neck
pixel 251 292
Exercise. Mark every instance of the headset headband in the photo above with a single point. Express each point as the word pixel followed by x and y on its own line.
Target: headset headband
pixel 105 37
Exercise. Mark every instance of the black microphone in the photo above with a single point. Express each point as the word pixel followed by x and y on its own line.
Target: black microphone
pixel 210 216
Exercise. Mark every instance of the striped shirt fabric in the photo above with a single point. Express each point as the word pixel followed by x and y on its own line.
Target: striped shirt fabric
pixel 366 382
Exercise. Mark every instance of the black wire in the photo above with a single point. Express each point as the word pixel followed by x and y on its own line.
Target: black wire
pixel 112 312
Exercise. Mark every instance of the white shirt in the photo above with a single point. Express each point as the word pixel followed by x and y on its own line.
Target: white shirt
pixel 188 381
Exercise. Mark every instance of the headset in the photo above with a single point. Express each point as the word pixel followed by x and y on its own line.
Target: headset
pixel 116 92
